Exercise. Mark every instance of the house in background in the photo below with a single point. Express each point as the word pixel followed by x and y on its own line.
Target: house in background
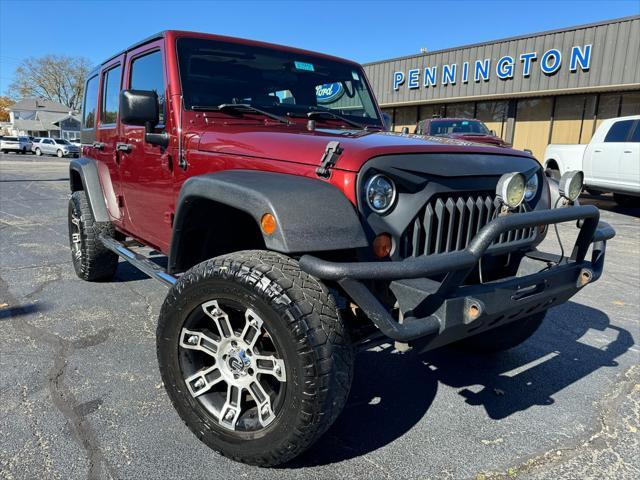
pixel 43 118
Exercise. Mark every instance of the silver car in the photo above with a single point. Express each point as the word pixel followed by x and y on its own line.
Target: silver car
pixel 15 144
pixel 56 146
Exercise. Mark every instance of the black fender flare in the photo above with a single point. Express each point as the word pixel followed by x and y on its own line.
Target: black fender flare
pixel 311 215
pixel 88 171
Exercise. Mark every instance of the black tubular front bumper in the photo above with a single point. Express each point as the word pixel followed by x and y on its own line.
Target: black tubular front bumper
pixel 456 310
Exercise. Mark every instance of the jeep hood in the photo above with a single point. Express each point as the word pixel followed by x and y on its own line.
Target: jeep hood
pixel 293 144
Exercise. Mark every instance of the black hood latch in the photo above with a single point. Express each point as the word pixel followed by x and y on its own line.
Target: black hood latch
pixel 329 158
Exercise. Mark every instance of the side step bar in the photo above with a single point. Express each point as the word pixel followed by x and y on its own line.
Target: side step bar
pixel 141 262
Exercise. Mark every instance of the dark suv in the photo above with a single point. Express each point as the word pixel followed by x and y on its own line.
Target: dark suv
pixel 296 231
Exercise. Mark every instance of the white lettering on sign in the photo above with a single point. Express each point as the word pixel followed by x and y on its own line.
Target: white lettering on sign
pixel 505 68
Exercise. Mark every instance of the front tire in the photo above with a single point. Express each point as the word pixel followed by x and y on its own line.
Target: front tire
pixel 91 259
pixel 503 338
pixel 260 412
pixel 59 154
pixel 38 152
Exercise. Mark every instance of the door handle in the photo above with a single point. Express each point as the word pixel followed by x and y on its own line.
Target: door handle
pixel 123 147
pixel 627 151
pixel 98 145
pixel 597 150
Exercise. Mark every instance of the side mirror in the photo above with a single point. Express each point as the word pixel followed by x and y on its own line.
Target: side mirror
pixel 141 107
pixel 493 132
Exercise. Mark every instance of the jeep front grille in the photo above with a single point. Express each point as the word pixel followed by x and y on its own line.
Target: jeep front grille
pixel 447 224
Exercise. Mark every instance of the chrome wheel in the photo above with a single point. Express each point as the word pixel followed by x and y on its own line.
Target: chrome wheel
pixel 75 236
pixel 231 365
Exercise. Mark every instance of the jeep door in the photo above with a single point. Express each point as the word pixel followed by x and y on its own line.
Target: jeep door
pixel 107 135
pixel 146 170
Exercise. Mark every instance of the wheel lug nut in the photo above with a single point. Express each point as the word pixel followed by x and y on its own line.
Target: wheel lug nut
pixel 193 340
pixel 199 383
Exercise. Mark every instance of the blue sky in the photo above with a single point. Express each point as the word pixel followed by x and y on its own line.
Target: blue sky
pixel 360 30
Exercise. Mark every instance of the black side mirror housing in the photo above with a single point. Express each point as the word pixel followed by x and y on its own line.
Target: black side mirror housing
pixel 141 107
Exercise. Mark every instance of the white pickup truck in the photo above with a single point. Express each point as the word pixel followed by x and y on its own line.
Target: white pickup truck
pixel 610 161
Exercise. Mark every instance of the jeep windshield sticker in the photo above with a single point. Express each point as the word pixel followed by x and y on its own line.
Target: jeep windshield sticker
pixel 329 92
pixel 307 67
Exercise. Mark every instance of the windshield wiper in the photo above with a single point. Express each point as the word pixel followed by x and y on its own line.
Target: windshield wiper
pixel 325 113
pixel 241 107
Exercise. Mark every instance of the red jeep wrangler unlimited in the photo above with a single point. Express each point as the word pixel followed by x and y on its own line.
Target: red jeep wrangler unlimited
pixel 296 230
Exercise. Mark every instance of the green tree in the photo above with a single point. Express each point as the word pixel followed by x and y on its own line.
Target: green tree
pixel 53 77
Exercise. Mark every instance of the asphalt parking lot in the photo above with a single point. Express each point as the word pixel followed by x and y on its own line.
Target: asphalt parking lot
pixel 81 396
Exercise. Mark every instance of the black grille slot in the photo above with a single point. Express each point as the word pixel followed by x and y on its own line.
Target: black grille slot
pixel 447 224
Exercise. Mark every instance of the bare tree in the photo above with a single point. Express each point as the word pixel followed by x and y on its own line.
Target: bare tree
pixel 5 103
pixel 53 77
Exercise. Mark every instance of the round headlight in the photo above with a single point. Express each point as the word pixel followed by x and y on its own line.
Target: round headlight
pixel 571 184
pixel 511 189
pixel 381 193
pixel 531 188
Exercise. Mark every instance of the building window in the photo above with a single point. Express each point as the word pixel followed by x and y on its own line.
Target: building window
pixel 494 115
pixel 630 104
pixel 533 122
pixel 110 95
pixel 567 118
pixel 460 110
pixel 90 103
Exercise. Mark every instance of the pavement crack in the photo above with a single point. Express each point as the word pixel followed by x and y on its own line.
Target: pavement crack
pixel 61 395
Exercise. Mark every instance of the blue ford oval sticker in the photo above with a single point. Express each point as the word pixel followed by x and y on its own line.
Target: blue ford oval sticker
pixel 329 92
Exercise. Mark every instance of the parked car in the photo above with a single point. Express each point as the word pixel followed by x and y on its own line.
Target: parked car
pixel 610 161
pixel 299 231
pixel 19 144
pixel 56 146
pixel 468 129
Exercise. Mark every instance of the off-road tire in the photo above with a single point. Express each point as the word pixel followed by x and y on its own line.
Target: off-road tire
pixel 503 338
pixel 301 315
pixel 95 262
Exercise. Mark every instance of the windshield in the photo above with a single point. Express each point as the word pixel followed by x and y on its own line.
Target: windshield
pixel 285 83
pixel 62 142
pixel 446 127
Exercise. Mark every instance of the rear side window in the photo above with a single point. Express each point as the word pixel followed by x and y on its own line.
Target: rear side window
pixel 110 94
pixel 619 131
pixel 146 74
pixel 90 103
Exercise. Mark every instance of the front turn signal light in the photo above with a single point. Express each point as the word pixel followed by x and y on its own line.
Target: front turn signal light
pixel 382 245
pixel 268 223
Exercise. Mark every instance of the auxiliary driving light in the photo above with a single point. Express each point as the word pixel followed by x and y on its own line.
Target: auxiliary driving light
pixel 511 189
pixel 381 193
pixel 571 184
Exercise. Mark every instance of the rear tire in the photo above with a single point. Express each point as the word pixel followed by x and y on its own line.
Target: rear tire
pixel 310 341
pixel 59 154
pixel 38 152
pixel 91 259
pixel 505 337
